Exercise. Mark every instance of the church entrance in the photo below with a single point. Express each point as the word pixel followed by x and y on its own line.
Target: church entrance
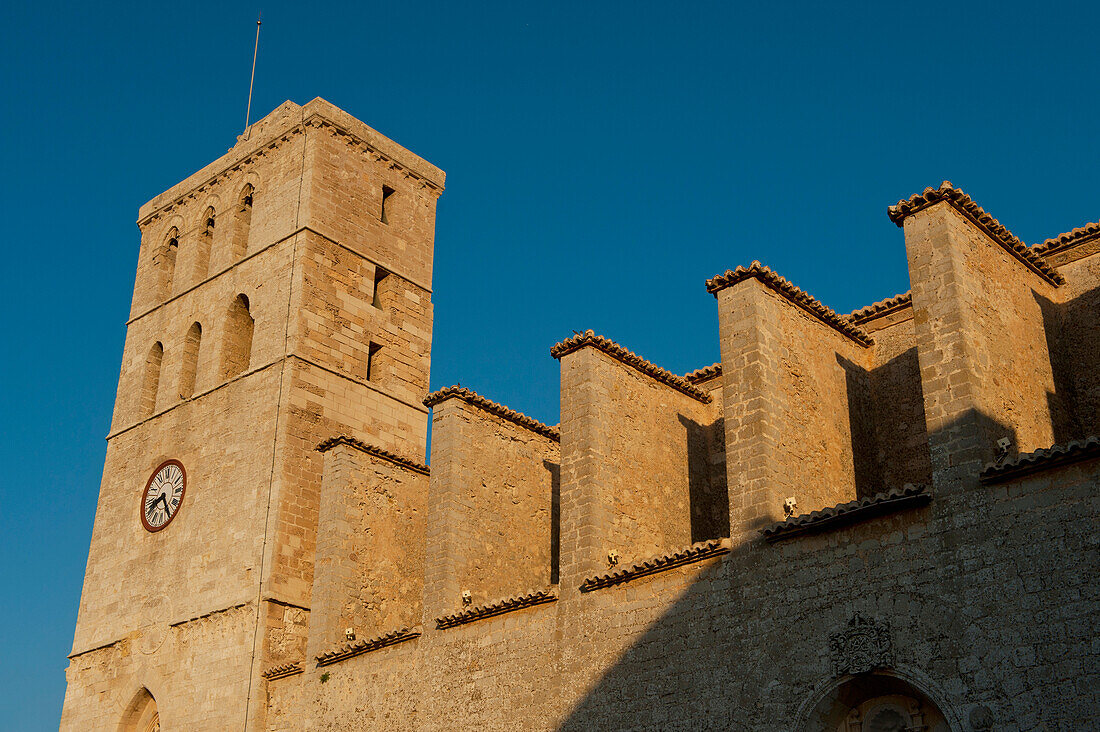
pixel 875 703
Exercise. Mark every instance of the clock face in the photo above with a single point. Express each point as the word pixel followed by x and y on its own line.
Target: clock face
pixel 163 495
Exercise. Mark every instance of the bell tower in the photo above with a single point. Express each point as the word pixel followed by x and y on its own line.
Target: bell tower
pixel 283 295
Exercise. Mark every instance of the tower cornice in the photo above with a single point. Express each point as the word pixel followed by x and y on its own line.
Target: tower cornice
pixel 277 128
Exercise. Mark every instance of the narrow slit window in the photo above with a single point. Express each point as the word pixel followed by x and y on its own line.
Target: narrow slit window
pixel 372 361
pixel 379 275
pixel 387 196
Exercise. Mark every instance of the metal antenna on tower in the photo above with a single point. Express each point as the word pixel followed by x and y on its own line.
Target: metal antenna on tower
pixel 255 51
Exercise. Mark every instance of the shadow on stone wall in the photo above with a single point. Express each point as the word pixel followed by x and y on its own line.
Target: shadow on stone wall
pixel 708 496
pixel 747 644
pixel 555 519
pixel 1073 342
pixel 887 422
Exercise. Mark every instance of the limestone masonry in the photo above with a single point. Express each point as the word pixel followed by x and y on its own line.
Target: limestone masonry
pixel 874 522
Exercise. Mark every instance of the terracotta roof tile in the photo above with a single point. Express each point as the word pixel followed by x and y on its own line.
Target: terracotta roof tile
pixel 851 512
pixel 965 205
pixel 1068 239
pixel 706 373
pixel 882 307
pixel 1031 462
pixel 497 607
pixel 355 648
pixel 375 451
pixel 613 349
pixel 796 296
pixel 471 397
pixel 282 671
pixel 696 552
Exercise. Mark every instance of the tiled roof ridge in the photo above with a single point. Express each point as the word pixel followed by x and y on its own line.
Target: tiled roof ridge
pixel 282 670
pixel 909 494
pixel 1065 453
pixel 965 205
pixel 1068 239
pixel 882 307
pixel 497 607
pixel 471 397
pixel 619 353
pixel 696 552
pixel 791 292
pixel 706 373
pixel 355 648
pixel 374 450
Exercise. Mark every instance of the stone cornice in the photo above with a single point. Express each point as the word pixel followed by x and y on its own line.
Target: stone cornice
pixel 993 228
pixel 473 398
pixel 1032 462
pixel 882 307
pixel 229 165
pixel 848 513
pixel 497 607
pixel 698 376
pixel 338 130
pixel 1069 239
pixel 793 294
pixel 375 451
pixel 282 671
pixel 617 352
pixel 294 119
pixel 356 648
pixel 688 555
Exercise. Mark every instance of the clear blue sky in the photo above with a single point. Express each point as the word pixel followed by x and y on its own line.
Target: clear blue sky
pixel 603 160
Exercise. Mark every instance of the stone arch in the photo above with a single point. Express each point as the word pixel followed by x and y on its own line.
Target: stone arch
pixel 884 697
pixel 164 260
pixel 237 343
pixel 141 714
pixel 151 380
pixel 204 240
pixel 189 369
pixel 242 220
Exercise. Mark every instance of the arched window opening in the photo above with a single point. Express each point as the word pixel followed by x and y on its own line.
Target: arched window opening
pixel 164 261
pixel 243 222
pixel 141 715
pixel 190 360
pixel 152 380
pixel 237 348
pixel 203 245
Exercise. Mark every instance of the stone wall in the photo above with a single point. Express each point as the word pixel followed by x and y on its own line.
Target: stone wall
pixel 987 604
pixel 980 333
pixel 636 477
pixel 794 388
pixel 493 508
pixel 369 573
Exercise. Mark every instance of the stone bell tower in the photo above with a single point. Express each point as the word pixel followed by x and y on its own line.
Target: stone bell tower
pixel 283 295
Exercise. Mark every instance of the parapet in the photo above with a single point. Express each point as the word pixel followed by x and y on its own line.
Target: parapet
pixel 966 206
pixel 613 349
pixel 471 397
pixel 796 296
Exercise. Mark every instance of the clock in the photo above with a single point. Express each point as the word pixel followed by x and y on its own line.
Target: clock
pixel 163 495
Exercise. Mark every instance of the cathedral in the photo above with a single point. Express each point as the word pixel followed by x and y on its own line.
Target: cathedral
pixel 880 521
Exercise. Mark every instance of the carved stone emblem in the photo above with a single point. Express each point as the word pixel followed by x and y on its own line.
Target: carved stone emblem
pixel 862 645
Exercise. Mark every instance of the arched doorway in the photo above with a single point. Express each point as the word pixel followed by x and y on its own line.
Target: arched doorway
pixel 875 702
pixel 141 715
